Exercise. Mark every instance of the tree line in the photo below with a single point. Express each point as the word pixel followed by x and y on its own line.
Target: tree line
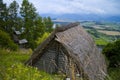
pixel 24 19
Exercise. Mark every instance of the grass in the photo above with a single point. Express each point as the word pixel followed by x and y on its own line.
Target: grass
pixel 114 74
pixel 101 42
pixel 12 67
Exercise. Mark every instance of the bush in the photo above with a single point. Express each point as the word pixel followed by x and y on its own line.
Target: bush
pixel 41 39
pixel 6 42
pixel 112 52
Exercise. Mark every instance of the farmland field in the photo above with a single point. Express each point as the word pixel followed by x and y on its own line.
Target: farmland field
pixel 98 27
pixel 102 32
pixel 113 33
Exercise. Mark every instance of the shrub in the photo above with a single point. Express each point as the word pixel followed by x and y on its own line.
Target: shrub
pixel 6 42
pixel 112 52
pixel 41 39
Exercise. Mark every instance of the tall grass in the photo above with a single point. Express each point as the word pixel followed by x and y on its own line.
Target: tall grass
pixel 12 67
pixel 113 74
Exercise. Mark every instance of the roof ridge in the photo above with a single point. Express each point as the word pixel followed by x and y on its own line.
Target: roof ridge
pixel 68 26
pixel 47 40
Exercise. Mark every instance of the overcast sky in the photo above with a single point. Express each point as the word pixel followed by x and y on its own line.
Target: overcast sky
pixel 109 7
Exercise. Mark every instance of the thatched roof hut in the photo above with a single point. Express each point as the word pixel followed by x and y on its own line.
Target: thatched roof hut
pixel 70 50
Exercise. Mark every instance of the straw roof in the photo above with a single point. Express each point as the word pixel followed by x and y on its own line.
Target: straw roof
pixel 81 48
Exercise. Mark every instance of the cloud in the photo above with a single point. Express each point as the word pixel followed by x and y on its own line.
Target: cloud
pixel 110 7
pixel 78 6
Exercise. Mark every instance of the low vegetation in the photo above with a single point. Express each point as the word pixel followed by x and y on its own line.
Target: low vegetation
pixel 41 39
pixel 25 19
pixel 36 29
pixel 102 32
pixel 112 53
pixel 101 42
pixel 100 39
pixel 6 42
pixel 12 67
pixel 111 46
pixel 113 74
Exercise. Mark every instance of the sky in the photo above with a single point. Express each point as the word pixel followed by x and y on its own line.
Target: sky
pixel 102 7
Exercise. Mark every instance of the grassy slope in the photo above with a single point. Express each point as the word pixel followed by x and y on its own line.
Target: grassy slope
pixel 12 67
pixel 113 74
pixel 100 38
pixel 101 41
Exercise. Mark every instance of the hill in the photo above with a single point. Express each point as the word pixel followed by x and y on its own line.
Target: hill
pixel 84 17
pixel 12 67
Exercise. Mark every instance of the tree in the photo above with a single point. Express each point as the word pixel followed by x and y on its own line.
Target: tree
pixel 3 15
pixel 48 24
pixel 33 24
pixel 37 31
pixel 12 14
pixel 112 52
pixel 13 9
pixel 28 12
pixel 29 23
pixel 39 28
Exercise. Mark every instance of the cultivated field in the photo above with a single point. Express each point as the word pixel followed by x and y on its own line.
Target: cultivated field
pixel 98 27
pixel 113 33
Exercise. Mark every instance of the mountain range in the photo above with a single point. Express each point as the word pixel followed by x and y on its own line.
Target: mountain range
pixel 84 17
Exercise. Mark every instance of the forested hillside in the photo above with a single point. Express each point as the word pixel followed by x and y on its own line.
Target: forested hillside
pixel 25 19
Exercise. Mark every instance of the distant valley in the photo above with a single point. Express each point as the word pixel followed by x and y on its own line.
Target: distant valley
pixel 102 32
pixel 84 17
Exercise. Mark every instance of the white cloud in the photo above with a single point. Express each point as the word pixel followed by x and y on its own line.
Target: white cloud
pixel 75 6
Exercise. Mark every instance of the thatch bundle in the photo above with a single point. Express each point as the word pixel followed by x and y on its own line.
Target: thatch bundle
pixel 70 50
